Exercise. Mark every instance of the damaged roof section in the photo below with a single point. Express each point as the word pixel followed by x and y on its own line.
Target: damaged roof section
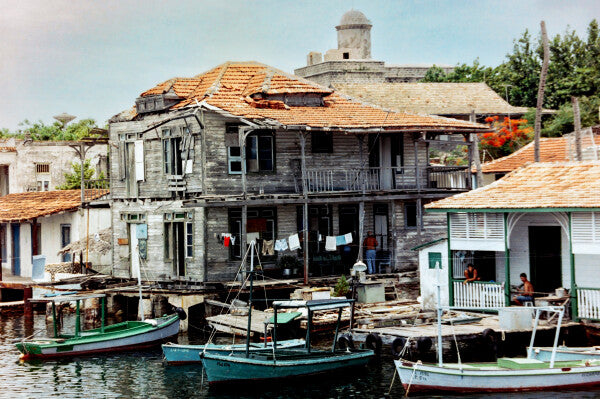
pixel 21 207
pixel 547 185
pixel 259 92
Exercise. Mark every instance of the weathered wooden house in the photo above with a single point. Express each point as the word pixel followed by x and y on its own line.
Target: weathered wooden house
pixel 542 220
pixel 203 165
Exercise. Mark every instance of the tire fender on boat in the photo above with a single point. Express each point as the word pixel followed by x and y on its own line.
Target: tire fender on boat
pixel 345 341
pixel 424 344
pixel 489 336
pixel 397 346
pixel 181 313
pixel 374 343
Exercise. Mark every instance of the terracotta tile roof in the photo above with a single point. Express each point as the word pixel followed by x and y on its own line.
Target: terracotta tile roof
pixel 432 98
pixel 552 149
pixel 233 87
pixel 26 206
pixel 8 149
pixel 539 185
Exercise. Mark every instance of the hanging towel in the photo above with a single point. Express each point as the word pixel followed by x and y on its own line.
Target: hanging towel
pixel 226 241
pixel 294 242
pixel 340 240
pixel 281 245
pixel 330 244
pixel 348 238
pixel 268 247
pixel 232 240
pixel 252 236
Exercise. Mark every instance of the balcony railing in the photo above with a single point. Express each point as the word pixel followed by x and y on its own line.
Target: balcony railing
pixel 96 189
pixel 588 303
pixel 478 294
pixel 386 178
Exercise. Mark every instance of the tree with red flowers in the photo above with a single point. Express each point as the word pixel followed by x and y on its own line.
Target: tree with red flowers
pixel 509 135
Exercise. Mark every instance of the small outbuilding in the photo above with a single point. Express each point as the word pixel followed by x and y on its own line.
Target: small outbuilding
pixel 542 220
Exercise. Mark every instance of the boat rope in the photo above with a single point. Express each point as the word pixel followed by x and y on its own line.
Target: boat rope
pixel 456 343
pixel 392 383
pixel 411 378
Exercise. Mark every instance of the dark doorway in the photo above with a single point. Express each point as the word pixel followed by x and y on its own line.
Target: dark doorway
pixel 545 257
pixel 485 263
pixel 349 224
pixel 16 249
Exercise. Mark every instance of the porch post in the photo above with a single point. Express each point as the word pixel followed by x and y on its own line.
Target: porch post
pixel 573 290
pixel 506 263
pixel 450 265
pixel 305 207
pixel 242 142
pixel 392 210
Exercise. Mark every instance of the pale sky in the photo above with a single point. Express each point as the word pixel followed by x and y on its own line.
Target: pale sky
pixel 93 58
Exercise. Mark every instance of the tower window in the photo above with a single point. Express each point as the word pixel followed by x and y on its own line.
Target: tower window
pixel 346 56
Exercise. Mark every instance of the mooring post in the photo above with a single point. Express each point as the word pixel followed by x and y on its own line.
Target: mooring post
pixel 27 306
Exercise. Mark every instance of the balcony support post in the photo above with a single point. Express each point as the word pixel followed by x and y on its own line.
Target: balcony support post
pixel 302 137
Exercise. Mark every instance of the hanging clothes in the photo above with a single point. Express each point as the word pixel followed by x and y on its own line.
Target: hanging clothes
pixel 348 238
pixel 268 247
pixel 226 241
pixel 294 241
pixel 340 240
pixel 281 245
pixel 232 240
pixel 252 236
pixel 330 243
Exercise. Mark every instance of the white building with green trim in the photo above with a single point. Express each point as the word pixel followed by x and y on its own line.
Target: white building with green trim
pixel 542 220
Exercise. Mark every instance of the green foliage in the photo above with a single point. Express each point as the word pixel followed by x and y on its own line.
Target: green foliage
pixel 574 70
pixel 73 179
pixel 562 122
pixel 39 131
pixel 342 287
pixel 462 73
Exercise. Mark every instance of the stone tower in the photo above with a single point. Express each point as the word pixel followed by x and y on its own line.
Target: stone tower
pixel 354 36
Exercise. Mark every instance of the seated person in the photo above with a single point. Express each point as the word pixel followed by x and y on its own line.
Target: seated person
pixel 470 274
pixel 525 293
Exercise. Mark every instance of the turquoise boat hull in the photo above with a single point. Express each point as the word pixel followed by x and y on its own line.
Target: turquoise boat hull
pixel 287 363
pixel 176 354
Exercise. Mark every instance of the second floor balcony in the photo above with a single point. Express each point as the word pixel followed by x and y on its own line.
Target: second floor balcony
pixel 387 179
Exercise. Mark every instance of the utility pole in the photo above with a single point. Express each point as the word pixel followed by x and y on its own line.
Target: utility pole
pixel 540 97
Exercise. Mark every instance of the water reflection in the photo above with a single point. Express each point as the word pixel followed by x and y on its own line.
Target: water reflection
pixel 143 374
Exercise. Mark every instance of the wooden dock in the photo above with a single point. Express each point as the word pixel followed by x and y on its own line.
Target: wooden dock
pixel 238 324
pixel 462 332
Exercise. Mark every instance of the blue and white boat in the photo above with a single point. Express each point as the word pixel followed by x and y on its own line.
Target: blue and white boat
pixel 567 353
pixel 177 354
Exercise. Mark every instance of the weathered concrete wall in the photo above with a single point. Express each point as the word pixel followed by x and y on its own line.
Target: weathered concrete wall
pixel 22 175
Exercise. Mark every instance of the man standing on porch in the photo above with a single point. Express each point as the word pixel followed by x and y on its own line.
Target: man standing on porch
pixel 370 243
pixel 526 293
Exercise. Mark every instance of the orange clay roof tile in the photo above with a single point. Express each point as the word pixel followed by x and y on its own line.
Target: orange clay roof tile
pixel 229 85
pixel 26 206
pixel 546 185
pixel 551 150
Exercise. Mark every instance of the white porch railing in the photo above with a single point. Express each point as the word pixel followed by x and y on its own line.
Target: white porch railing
pixel 588 303
pixel 479 295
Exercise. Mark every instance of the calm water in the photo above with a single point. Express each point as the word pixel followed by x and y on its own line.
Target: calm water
pixel 143 375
